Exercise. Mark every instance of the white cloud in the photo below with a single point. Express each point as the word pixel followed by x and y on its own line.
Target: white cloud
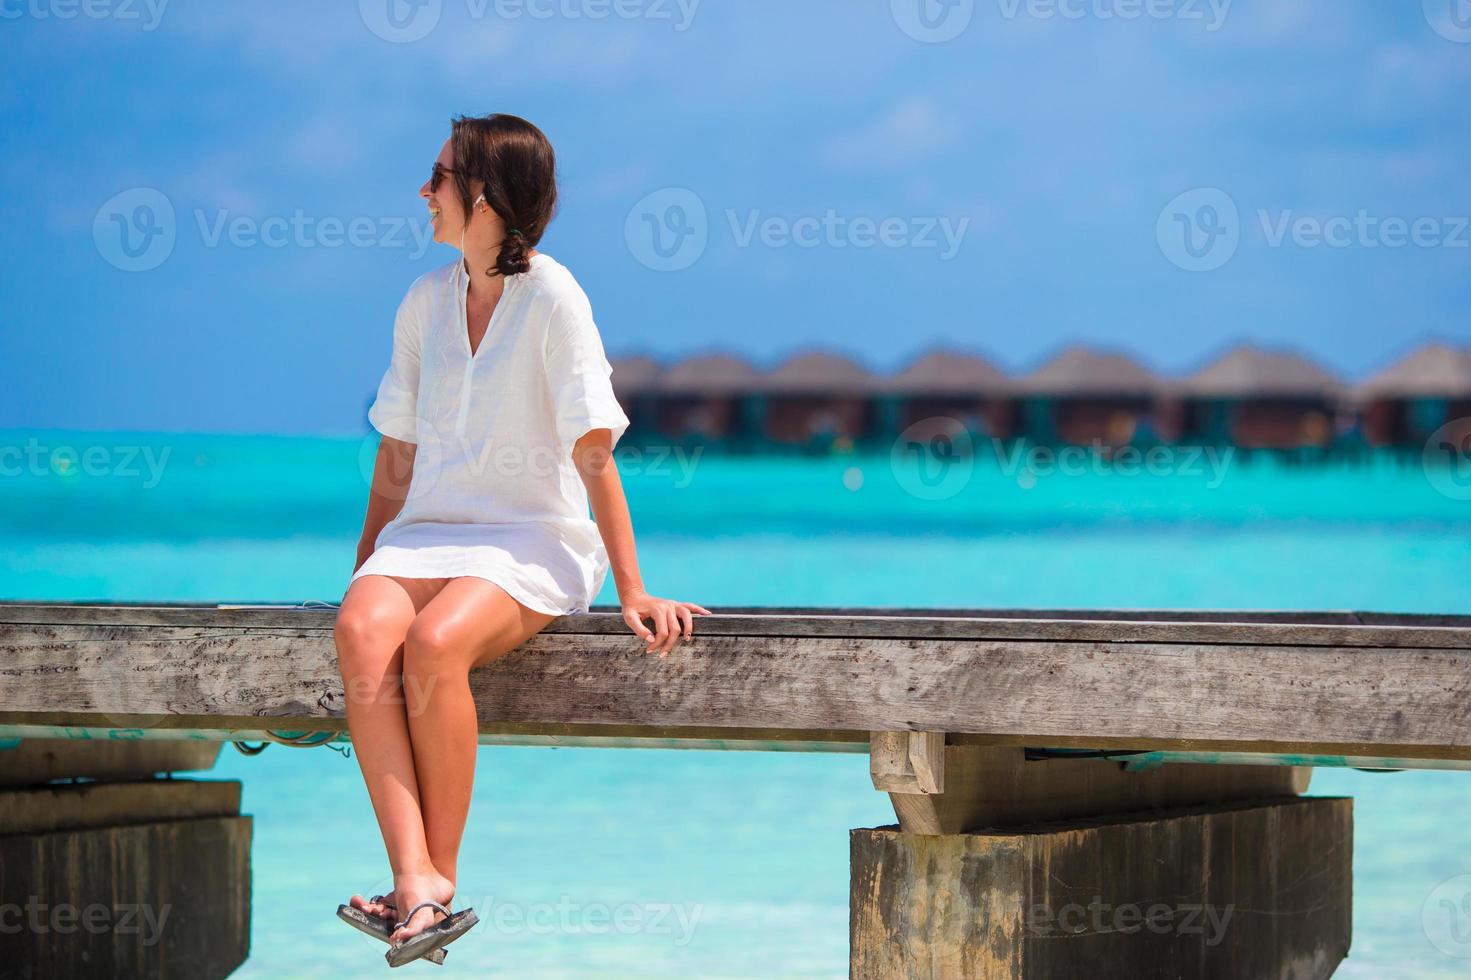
pixel 911 130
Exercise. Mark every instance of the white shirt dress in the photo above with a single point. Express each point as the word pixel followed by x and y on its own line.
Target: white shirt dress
pixel 494 492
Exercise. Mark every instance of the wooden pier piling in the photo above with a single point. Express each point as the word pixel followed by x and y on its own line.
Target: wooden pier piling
pixel 1074 867
pixel 125 874
pixel 1252 890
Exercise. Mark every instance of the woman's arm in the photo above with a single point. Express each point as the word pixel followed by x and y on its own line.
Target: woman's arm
pixel 594 458
pixel 392 470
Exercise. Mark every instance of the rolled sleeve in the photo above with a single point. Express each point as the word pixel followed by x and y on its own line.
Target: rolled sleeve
pixel 581 378
pixel 395 409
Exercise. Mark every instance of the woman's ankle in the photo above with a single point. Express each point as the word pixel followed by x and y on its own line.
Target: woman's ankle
pixel 427 882
pixel 446 871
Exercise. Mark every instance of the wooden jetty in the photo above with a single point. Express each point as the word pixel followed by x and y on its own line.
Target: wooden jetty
pixel 1096 776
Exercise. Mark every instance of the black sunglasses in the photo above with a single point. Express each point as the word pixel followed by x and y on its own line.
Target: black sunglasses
pixel 436 176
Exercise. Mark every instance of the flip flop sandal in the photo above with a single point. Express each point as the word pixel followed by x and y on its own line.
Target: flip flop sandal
pixel 435 937
pixel 380 928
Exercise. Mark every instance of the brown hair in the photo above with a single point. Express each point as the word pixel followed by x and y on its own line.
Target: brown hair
pixel 515 161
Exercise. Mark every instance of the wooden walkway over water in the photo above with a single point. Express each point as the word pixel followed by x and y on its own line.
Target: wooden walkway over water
pixel 1339 684
pixel 1038 762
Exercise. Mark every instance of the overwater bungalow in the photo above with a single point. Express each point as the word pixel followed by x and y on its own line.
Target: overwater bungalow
pixel 633 386
pixel 1414 396
pixel 815 400
pixel 1083 396
pixel 702 398
pixel 948 391
pixel 1260 399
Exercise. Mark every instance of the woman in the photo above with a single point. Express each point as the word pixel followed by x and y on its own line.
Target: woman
pixel 497 402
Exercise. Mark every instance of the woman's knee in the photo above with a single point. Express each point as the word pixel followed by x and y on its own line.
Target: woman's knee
pixel 434 647
pixel 367 638
pixel 430 648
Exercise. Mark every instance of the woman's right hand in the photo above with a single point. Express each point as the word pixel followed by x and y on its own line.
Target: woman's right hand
pixel 670 617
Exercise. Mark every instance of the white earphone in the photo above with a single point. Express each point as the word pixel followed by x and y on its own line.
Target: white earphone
pixel 479 200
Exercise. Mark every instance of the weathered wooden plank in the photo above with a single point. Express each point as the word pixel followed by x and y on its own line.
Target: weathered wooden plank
pixel 1362 701
pixel 1261 890
pixel 1304 617
pixel 79 806
pixel 736 737
pixel 1418 632
pixel 20 725
pixel 988 786
pixel 42 760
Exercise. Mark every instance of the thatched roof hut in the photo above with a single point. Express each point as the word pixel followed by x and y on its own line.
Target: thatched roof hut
pixel 635 375
pixel 946 371
pixel 947 390
pixel 1084 372
pixel 1247 372
pixel 819 373
pixel 720 374
pixel 1436 370
pixel 1260 399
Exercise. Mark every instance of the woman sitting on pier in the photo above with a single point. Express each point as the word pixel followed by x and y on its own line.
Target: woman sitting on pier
pixel 498 422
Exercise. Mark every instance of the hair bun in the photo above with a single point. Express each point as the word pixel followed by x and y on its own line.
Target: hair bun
pixel 512 259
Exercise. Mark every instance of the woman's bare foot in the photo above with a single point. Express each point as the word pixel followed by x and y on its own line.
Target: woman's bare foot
pixel 387 908
pixel 410 890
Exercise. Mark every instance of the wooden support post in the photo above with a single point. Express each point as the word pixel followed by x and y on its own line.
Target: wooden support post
pixel 989 786
pixel 1259 890
pixel 120 878
pixel 996 858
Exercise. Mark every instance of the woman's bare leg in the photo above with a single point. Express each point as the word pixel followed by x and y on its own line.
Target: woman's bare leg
pixel 469 622
pixel 376 615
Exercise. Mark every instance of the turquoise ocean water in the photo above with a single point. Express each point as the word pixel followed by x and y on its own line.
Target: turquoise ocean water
pixel 655 863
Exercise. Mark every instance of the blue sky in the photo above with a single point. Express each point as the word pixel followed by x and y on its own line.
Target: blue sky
pixel 801 161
